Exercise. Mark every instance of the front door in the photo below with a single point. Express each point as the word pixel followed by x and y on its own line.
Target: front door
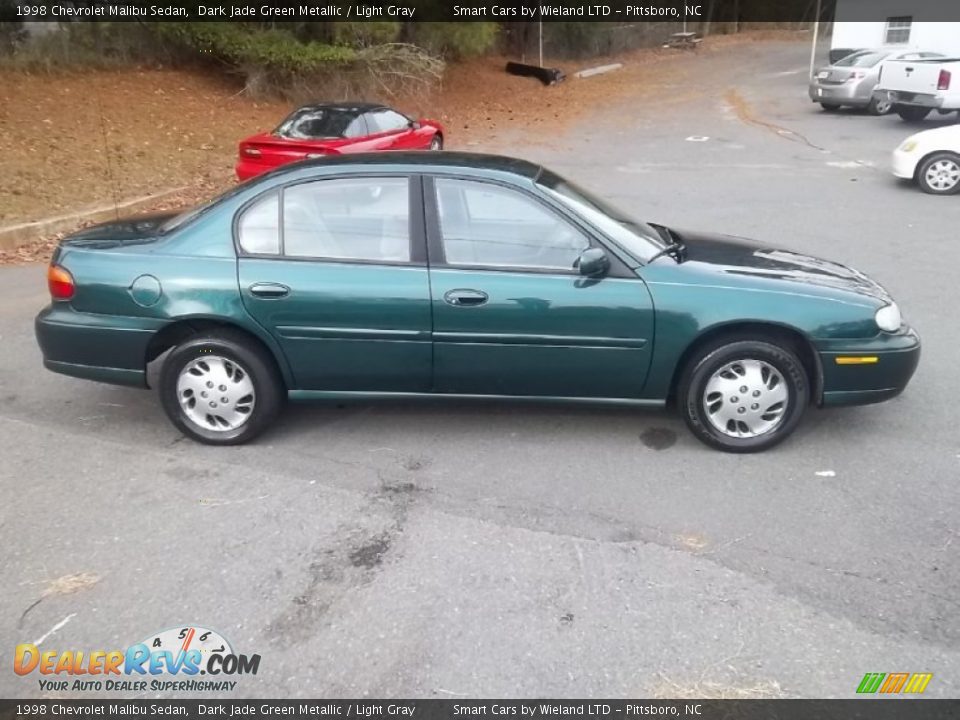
pixel 394 131
pixel 511 314
pixel 332 269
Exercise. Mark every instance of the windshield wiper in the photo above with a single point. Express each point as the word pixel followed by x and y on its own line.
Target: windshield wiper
pixel 674 247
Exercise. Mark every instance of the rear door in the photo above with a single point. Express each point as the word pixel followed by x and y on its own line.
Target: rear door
pixel 511 314
pixel 335 269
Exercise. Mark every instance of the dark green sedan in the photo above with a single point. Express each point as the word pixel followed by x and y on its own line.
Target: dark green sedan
pixel 462 276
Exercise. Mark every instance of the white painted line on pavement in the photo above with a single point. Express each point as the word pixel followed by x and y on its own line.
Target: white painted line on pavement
pixel 848 164
pixel 56 627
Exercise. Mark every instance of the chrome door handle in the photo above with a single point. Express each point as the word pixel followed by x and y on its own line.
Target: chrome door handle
pixel 269 290
pixel 465 298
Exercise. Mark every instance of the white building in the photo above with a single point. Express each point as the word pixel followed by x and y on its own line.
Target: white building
pixel 862 24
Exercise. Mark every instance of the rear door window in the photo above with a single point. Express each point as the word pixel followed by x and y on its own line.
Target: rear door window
pixel 365 219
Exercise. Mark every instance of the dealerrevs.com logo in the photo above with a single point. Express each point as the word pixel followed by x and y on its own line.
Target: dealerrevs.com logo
pixel 170 660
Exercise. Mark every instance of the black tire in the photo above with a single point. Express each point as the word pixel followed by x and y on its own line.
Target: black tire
pixel 436 142
pixel 940 157
pixel 691 391
pixel 879 106
pixel 911 113
pixel 240 352
pixel 829 107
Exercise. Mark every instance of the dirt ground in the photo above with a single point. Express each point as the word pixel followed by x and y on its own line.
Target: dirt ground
pixel 72 142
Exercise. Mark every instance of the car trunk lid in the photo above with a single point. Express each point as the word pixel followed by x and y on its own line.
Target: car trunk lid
pixel 274 150
pixel 135 230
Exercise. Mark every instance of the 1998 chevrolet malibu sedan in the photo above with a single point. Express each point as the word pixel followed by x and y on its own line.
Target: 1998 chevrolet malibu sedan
pixel 463 276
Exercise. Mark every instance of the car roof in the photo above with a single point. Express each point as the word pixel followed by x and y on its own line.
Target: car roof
pixel 345 106
pixel 445 160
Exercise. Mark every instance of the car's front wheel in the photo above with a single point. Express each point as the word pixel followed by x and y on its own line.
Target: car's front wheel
pixel 742 395
pixel 436 143
pixel 220 389
pixel 939 174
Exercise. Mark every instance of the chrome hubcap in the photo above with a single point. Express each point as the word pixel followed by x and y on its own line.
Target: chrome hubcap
pixel 882 106
pixel 216 393
pixel 435 144
pixel 746 398
pixel 943 174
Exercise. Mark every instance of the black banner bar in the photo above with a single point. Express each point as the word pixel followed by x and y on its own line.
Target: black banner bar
pixel 619 11
pixel 860 709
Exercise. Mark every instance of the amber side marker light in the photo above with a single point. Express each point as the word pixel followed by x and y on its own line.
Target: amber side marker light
pixel 858 360
pixel 60 282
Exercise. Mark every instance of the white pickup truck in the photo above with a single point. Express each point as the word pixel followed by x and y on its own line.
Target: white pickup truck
pixel 915 87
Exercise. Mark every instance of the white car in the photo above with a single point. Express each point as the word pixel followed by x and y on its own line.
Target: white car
pixel 932 158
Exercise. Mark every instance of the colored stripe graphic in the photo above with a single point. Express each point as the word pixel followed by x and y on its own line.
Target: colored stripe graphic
pixel 870 682
pixel 894 683
pixel 918 682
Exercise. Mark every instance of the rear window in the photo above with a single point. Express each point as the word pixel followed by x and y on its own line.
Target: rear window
pixel 861 59
pixel 309 123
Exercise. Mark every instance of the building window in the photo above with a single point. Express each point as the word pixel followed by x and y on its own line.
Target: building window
pixel 898 30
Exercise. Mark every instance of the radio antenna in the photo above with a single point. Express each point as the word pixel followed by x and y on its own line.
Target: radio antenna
pixel 106 152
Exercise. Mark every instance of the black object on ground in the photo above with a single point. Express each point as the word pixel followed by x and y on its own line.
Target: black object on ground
pixel 548 76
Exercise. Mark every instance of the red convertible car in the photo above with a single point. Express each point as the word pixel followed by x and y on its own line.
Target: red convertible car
pixel 334 129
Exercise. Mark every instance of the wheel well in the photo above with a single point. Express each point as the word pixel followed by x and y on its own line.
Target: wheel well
pixel 177 332
pixel 793 339
pixel 921 161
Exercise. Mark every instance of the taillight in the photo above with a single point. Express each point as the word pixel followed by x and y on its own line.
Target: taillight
pixel 250 151
pixel 943 82
pixel 60 282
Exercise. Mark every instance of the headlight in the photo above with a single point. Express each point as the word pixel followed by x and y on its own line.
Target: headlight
pixel 888 318
pixel 908 146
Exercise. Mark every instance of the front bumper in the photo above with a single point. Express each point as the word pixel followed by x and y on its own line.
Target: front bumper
pixel 851 375
pixel 904 164
pixel 105 348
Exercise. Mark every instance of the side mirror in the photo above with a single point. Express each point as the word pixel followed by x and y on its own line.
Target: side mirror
pixel 414 124
pixel 593 262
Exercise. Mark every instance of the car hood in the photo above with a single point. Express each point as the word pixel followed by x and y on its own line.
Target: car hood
pixel 948 137
pixel 743 258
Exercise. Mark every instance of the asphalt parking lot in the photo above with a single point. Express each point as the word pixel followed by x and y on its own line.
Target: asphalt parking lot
pixel 514 551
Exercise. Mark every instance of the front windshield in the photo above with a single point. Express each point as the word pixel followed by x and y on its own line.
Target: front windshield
pixel 867 58
pixel 310 123
pixel 636 236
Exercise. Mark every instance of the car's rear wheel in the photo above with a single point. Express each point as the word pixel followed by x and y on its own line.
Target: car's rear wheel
pixel 743 395
pixel 911 113
pixel 220 389
pixel 829 107
pixel 939 174
pixel 436 143
pixel 879 105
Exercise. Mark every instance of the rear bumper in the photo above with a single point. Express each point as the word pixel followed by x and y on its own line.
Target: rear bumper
pixel 247 169
pixel 915 99
pixel 864 383
pixel 852 94
pixel 105 348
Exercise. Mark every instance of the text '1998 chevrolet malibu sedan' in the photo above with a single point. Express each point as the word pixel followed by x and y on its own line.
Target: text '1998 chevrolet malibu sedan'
pixel 412 275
